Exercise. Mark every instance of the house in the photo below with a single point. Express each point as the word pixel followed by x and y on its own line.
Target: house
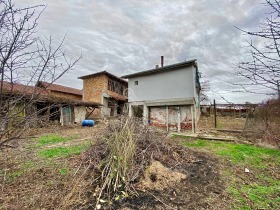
pixel 106 89
pixel 44 102
pixel 61 91
pixel 166 96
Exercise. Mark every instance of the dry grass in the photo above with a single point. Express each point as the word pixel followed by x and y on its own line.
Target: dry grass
pixel 262 124
pixel 228 123
pixel 33 176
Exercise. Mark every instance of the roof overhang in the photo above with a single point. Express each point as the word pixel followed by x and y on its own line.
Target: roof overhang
pixel 166 102
pixel 163 69
pixel 105 73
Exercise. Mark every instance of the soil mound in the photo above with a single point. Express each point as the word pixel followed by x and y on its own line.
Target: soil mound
pixel 159 177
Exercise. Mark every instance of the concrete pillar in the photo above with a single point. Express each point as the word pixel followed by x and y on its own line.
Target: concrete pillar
pixel 130 111
pixel 193 120
pixel 179 119
pixel 61 116
pixel 145 114
pixel 195 116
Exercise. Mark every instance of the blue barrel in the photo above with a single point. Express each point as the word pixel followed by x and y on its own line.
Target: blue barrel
pixel 88 123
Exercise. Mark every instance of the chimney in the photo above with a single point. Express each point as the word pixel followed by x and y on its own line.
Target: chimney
pixel 156 66
pixel 162 61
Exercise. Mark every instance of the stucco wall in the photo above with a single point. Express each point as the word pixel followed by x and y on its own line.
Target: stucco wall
pixel 79 113
pixel 171 84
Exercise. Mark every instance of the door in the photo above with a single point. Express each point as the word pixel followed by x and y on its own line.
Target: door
pixel 66 115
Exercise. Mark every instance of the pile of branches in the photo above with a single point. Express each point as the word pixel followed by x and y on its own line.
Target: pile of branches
pixel 117 161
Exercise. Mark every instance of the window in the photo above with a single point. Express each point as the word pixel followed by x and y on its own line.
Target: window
pixel 136 82
pixel 116 87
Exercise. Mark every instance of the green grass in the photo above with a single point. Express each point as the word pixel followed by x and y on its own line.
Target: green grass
pixel 62 151
pixel 240 153
pixel 63 171
pixel 174 136
pixel 52 139
pixel 256 196
pixel 260 188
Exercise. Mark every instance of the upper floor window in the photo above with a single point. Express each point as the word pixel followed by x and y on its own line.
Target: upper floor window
pixel 116 87
pixel 136 82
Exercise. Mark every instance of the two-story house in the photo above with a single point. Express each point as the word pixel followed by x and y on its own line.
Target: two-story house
pixel 106 89
pixel 167 96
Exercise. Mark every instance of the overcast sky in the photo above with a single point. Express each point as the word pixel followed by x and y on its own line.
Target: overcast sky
pixel 130 35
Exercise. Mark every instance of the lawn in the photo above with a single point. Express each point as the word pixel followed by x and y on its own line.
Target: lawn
pixel 259 187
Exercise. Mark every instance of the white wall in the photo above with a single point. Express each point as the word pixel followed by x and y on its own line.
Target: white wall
pixel 80 113
pixel 171 84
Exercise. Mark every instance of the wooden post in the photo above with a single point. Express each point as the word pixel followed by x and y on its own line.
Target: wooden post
pixel 215 117
pixel 240 110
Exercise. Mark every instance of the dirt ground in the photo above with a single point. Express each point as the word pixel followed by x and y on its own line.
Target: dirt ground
pixel 202 189
pixel 29 181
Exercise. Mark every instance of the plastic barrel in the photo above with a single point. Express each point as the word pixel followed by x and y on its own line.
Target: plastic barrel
pixel 88 123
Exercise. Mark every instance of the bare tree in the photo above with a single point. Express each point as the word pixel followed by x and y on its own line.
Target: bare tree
pixel 205 87
pixel 25 59
pixel 263 67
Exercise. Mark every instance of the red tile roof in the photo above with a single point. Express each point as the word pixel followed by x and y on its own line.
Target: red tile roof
pixel 59 88
pixel 105 73
pixel 44 95
pixel 116 95
pixel 20 88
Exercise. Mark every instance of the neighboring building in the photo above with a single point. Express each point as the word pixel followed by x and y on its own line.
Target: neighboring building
pixel 71 114
pixel 166 96
pixel 61 91
pixel 44 102
pixel 106 89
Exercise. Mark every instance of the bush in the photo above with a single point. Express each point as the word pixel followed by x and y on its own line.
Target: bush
pixel 266 120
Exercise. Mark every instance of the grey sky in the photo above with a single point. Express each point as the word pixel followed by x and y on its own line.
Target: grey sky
pixel 130 35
